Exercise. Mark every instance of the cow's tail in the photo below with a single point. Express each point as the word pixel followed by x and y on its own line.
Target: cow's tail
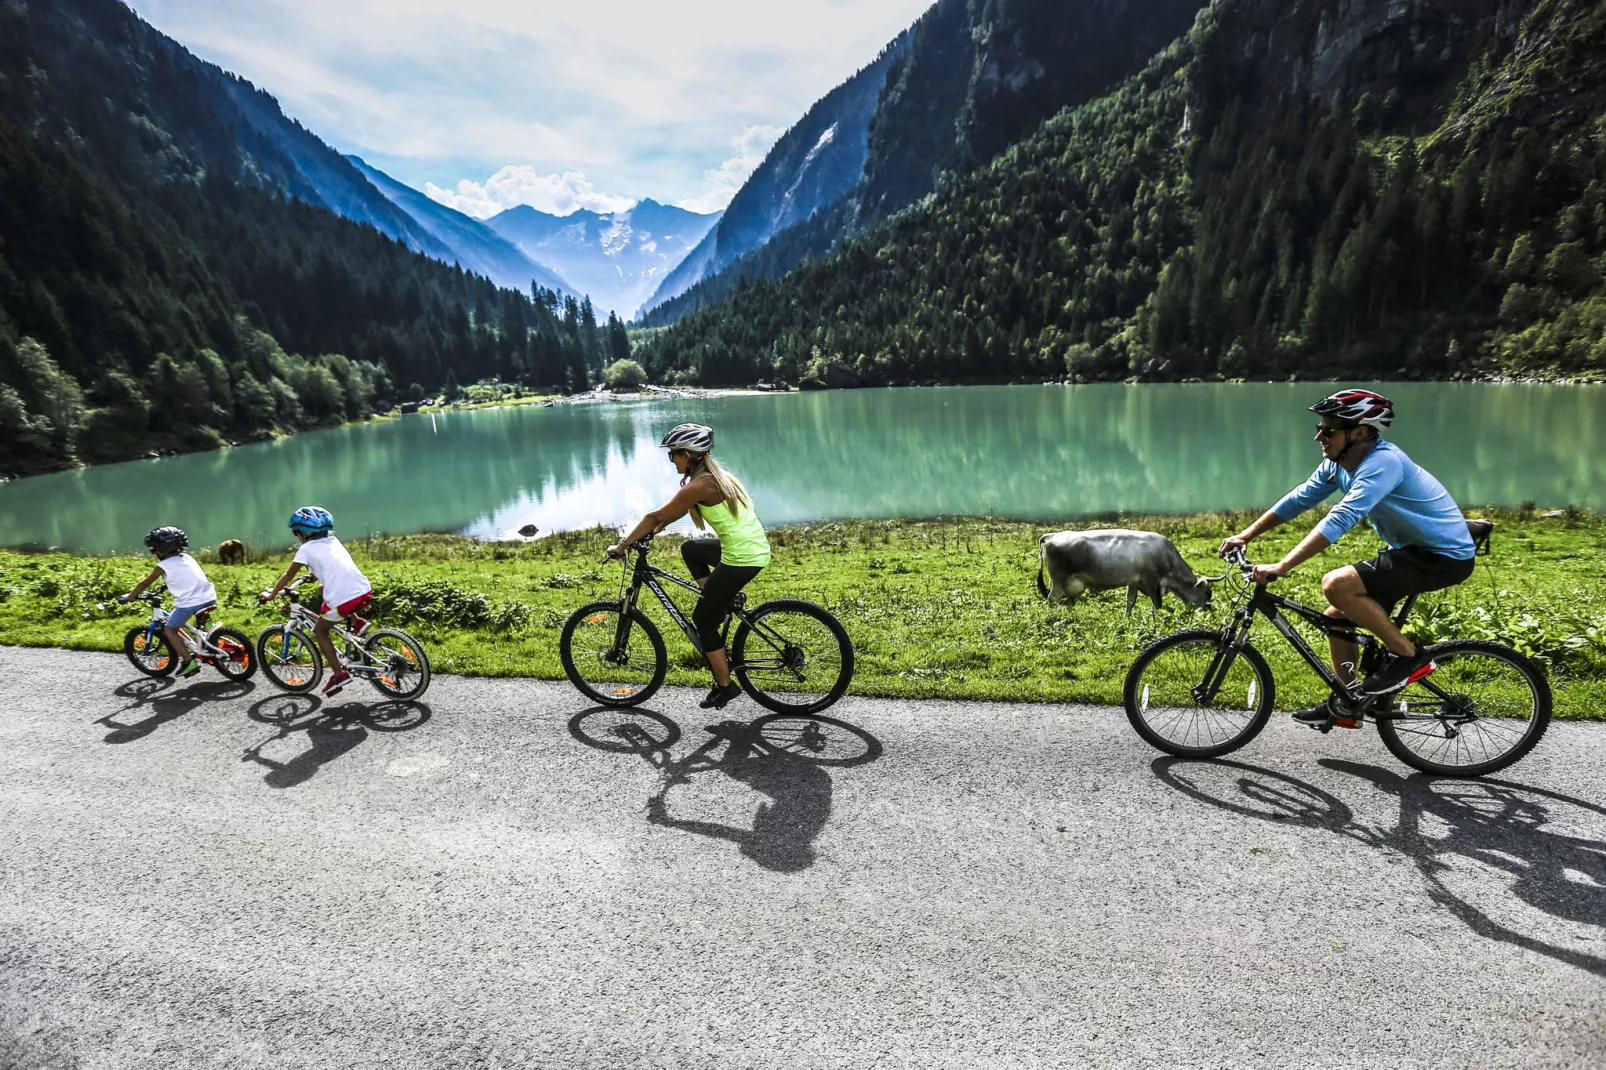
pixel 1042 588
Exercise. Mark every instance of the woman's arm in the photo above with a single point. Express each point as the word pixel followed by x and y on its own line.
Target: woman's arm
pixel 691 494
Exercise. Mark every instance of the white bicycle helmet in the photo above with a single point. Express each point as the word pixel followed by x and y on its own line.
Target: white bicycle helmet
pixel 695 437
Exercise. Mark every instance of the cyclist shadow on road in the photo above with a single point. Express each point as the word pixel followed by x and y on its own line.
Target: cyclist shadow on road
pixel 769 755
pixel 331 731
pixel 1458 833
pixel 167 699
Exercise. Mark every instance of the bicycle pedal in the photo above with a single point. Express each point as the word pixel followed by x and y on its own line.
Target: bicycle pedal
pixel 1349 723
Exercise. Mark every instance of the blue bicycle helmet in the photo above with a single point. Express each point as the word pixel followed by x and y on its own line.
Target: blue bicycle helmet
pixel 311 520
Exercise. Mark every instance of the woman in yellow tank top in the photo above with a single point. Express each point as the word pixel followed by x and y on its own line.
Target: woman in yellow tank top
pixel 722 565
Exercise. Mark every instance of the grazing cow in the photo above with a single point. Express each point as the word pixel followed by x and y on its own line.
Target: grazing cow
pixel 231 552
pixel 1102 560
pixel 1480 530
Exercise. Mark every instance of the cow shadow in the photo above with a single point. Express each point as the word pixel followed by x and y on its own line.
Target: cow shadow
pixel 329 731
pixel 163 699
pixel 759 755
pixel 1447 826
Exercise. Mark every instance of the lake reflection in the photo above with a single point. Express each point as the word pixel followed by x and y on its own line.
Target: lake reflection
pixel 1036 453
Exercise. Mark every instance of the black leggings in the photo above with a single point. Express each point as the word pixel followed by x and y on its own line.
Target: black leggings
pixel 702 559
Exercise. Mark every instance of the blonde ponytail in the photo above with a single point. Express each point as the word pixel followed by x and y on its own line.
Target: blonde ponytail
pixel 730 488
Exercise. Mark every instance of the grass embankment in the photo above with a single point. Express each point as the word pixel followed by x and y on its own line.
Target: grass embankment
pixel 935 608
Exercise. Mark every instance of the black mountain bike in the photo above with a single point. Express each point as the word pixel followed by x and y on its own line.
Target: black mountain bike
pixel 1203 693
pixel 791 656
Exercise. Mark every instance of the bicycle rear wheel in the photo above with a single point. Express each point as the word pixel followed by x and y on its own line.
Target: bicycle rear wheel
pixel 792 656
pixel 239 661
pixel 289 659
pixel 149 651
pixel 1483 707
pixel 403 666
pixel 613 658
pixel 1191 696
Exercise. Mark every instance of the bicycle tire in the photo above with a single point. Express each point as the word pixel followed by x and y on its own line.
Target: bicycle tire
pixel 789 672
pixel 629 690
pixel 296 666
pixel 241 663
pixel 149 651
pixel 392 680
pixel 1453 660
pixel 1258 694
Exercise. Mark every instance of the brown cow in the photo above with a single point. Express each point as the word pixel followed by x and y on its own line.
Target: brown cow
pixel 1480 530
pixel 231 552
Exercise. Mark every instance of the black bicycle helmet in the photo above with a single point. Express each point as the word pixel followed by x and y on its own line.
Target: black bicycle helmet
pixel 169 539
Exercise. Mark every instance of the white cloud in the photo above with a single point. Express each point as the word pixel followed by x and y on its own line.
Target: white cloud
pixel 721 183
pixel 523 184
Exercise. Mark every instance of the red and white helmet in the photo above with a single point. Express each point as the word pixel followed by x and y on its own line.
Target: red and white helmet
pixel 1359 407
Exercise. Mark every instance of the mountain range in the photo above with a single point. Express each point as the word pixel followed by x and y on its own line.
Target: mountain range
pixel 464 239
pixel 618 259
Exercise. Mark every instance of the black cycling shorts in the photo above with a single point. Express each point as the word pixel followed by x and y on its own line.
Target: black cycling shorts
pixel 1406 570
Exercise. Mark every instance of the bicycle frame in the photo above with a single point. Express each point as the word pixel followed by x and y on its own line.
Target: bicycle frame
pixel 196 641
pixel 645 574
pixel 302 621
pixel 1264 603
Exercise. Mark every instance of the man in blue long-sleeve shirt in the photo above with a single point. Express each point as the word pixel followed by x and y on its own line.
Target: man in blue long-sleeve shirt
pixel 1428 545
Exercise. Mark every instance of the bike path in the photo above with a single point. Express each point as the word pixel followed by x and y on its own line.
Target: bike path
pixel 202 874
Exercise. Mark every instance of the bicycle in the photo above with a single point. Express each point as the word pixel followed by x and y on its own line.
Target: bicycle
pixel 226 649
pixel 1202 693
pixel 390 659
pixel 791 656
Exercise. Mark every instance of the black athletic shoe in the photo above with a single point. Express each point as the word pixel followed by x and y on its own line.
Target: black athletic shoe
pixel 1396 672
pixel 719 696
pixel 1331 708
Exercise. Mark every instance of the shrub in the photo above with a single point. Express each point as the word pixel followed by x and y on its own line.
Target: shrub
pixel 625 375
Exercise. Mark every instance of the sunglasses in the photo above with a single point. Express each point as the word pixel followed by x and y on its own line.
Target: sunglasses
pixel 1329 432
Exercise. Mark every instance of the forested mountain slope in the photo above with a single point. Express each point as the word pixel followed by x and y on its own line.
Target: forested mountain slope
pixel 810 168
pixel 162 263
pixel 1317 188
pixel 971 78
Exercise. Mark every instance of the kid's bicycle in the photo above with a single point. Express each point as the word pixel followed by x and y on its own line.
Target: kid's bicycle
pixel 390 659
pixel 1202 693
pixel 791 656
pixel 225 649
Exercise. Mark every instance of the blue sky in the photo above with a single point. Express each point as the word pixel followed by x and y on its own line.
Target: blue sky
pixel 486 104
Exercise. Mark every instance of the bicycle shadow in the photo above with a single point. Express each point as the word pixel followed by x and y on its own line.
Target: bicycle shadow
pixel 798 789
pixel 1454 832
pixel 330 731
pixel 167 699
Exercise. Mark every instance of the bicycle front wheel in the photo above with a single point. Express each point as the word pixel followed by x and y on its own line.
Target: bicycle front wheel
pixel 1483 707
pixel 290 659
pixel 614 658
pixel 1193 696
pixel 403 666
pixel 792 656
pixel 149 651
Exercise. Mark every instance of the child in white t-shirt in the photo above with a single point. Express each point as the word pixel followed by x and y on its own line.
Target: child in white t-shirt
pixel 192 592
pixel 345 588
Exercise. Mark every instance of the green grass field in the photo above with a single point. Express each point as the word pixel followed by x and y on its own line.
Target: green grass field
pixel 945 608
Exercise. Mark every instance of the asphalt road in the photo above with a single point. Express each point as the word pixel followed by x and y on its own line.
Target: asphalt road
pixel 201 874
